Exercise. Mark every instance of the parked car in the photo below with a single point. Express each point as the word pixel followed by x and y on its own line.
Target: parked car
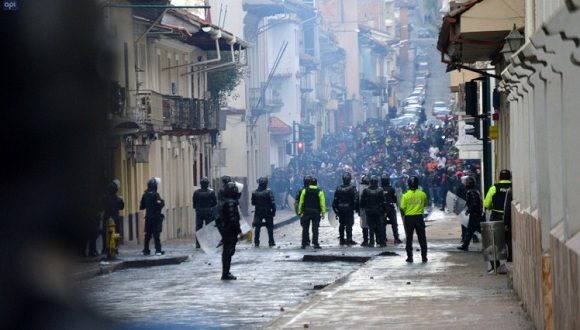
pixel 423 69
pixel 411 100
pixel 420 82
pixel 405 120
pixel 412 108
pixel 439 106
pixel 420 94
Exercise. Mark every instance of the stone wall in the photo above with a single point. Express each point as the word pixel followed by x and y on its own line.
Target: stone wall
pixel 566 279
pixel 527 263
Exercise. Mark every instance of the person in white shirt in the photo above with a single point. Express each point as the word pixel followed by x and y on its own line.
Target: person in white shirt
pixel 433 151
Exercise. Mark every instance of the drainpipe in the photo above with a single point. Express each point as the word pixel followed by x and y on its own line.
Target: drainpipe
pixel 231 42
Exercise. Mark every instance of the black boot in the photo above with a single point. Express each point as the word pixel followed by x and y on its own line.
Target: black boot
pixel 372 238
pixel 365 237
pixel 226 275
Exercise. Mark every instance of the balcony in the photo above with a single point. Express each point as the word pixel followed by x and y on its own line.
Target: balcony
pixel 148 112
pixel 176 112
pixel 191 115
pixel 155 112
pixel 271 102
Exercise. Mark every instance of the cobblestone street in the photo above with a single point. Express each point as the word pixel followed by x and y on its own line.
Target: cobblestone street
pixel 270 280
pixel 275 288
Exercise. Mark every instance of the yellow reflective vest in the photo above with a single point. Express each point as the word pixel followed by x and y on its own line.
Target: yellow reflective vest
pixel 413 202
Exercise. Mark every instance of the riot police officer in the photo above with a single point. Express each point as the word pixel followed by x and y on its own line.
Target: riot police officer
pixel 225 180
pixel 112 205
pixel 204 202
pixel 344 203
pixel 311 208
pixel 264 212
pixel 228 224
pixel 496 198
pixel 391 212
pixel 413 205
pixel 372 201
pixel 152 203
pixel 306 181
pixel 364 183
pixel 496 195
pixel 474 210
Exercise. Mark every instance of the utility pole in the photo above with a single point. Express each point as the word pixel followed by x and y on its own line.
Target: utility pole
pixel 486 110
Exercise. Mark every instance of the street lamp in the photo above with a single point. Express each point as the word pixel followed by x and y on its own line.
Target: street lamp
pixel 513 41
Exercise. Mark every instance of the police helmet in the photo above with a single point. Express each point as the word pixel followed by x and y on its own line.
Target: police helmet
pixel 346 178
pixel 307 181
pixel 413 183
pixel 364 179
pixel 152 184
pixel 263 182
pixel 112 188
pixel 204 182
pixel 231 190
pixel 469 182
pixel 226 179
pixel 314 181
pixel 385 180
pixel 374 181
pixel 505 175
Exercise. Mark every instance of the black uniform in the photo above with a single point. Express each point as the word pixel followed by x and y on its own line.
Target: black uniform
pixel 228 224
pixel 204 202
pixel 344 203
pixel 373 203
pixel 474 209
pixel 112 205
pixel 152 203
pixel 498 200
pixel 507 219
pixel 391 212
pixel 264 213
pixel 460 191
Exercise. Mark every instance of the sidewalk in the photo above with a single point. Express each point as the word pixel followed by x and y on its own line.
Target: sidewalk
pixel 176 252
pixel 451 291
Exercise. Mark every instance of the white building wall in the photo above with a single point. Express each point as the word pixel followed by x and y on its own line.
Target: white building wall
pixel 544 116
pixel 289 64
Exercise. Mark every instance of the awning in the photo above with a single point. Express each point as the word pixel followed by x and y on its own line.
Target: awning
pixel 278 127
pixel 187 27
pixel 475 30
pixel 378 38
pixel 205 40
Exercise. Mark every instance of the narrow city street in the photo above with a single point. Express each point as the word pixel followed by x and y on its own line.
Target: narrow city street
pixel 277 289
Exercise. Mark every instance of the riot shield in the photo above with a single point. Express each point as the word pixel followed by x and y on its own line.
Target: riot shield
pixel 454 203
pixel 331 217
pixel 463 218
pixel 208 238
pixel 246 228
pixel 291 203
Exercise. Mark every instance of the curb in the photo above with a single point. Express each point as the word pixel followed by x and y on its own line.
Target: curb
pixel 114 266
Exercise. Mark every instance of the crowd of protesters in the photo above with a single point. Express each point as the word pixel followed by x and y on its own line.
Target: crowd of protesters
pixel 376 147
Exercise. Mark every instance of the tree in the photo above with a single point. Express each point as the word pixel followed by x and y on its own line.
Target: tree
pixel 221 82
